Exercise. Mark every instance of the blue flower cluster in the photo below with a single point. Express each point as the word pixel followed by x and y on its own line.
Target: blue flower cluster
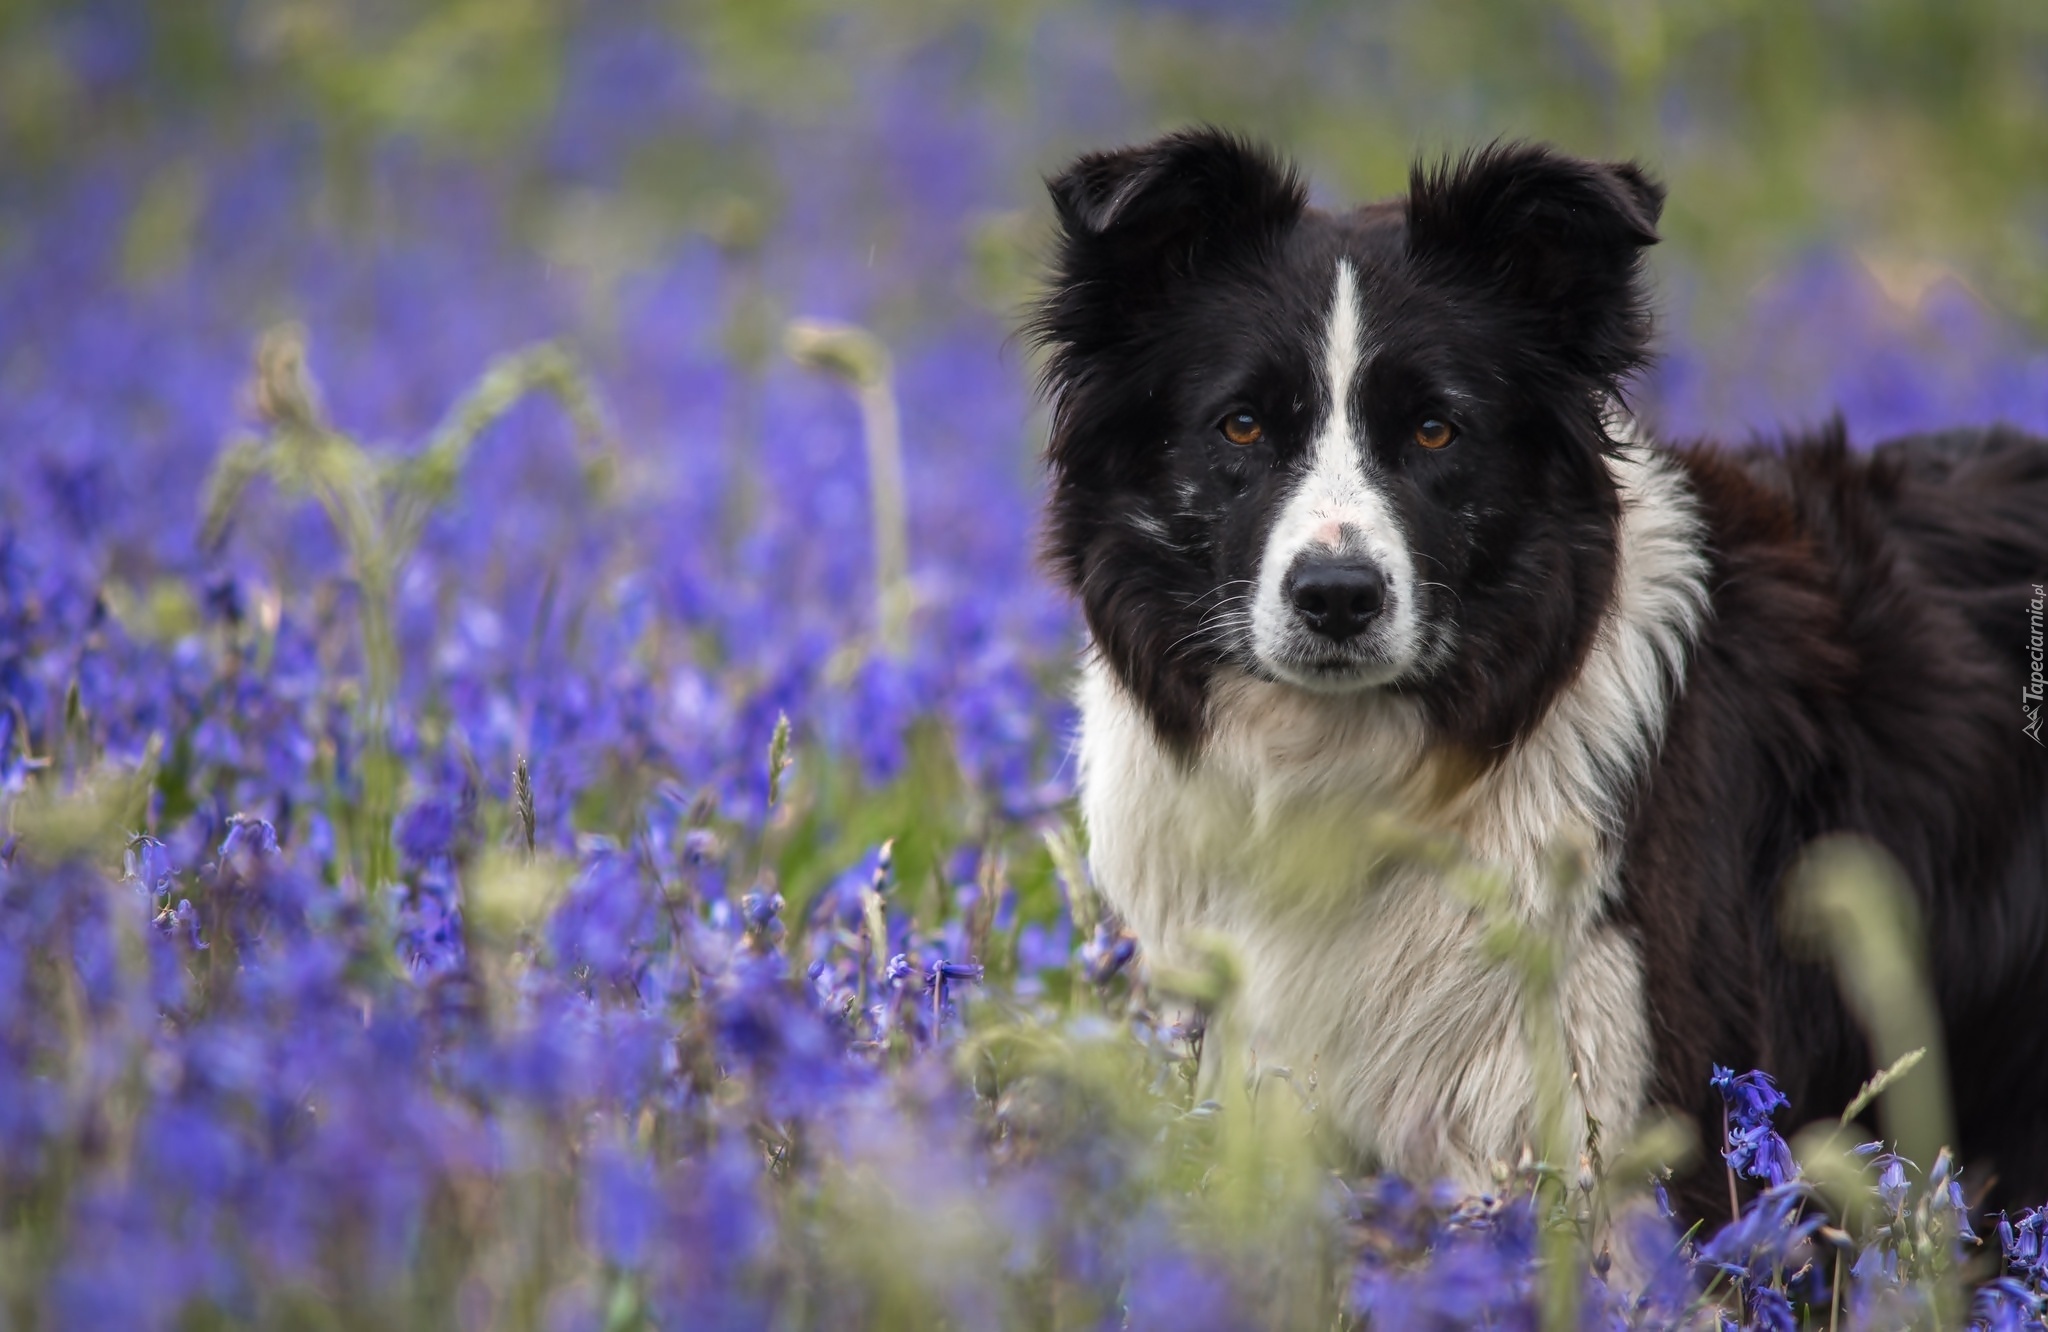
pixel 1901 1242
pixel 1755 1151
pixel 602 1022
pixel 2017 1300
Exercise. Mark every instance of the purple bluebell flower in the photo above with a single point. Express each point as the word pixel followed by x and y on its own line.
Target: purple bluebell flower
pixel 1893 1186
pixel 622 1205
pixel 941 975
pixel 701 846
pixel 1751 1098
pixel 1762 1241
pixel 1945 1196
pixel 1754 1149
pixel 762 913
pixel 249 838
pixel 429 923
pixel 1770 1311
pixel 2021 1241
pixel 1107 953
pixel 1757 1152
pixel 426 833
pixel 1876 1263
pixel 2006 1305
pixel 1044 948
pixel 182 921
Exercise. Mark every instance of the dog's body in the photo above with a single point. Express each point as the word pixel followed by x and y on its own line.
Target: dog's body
pixel 1357 551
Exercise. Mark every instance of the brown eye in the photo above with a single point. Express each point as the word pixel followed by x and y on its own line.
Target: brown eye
pixel 1434 434
pixel 1242 428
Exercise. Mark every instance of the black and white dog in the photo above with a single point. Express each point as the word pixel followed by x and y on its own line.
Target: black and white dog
pixel 1344 502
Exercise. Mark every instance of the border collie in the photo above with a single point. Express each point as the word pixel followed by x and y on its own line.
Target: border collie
pixel 1358 538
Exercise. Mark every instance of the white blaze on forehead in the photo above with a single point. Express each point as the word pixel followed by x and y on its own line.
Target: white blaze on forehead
pixel 1336 491
pixel 1340 348
pixel 1338 506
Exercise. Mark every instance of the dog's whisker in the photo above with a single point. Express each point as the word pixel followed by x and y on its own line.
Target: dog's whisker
pixel 1215 591
pixel 1446 587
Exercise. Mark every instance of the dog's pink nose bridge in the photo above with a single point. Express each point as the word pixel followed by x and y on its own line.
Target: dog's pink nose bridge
pixel 1329 532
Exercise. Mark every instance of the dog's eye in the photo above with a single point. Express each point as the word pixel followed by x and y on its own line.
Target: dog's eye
pixel 1242 428
pixel 1435 434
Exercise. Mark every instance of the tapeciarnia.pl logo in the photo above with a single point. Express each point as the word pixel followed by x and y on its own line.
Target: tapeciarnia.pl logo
pixel 2030 697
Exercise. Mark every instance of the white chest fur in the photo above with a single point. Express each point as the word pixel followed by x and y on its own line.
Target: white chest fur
pixel 1374 978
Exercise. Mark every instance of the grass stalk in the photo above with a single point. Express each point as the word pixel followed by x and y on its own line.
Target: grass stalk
pixel 858 357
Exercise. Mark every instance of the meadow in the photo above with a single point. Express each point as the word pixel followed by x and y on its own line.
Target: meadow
pixel 534 775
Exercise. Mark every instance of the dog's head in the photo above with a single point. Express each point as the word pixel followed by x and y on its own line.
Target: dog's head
pixel 1344 452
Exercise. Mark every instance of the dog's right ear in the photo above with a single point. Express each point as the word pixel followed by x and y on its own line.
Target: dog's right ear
pixel 1135 220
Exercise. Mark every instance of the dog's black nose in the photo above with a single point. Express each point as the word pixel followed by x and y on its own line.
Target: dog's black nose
pixel 1337 598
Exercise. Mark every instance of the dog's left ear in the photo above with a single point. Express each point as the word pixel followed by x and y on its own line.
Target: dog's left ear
pixel 1558 236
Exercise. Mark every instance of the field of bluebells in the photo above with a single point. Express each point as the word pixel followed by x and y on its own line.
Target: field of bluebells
pixel 533 750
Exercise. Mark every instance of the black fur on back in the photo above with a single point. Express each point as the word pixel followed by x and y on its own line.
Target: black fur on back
pixel 1862 673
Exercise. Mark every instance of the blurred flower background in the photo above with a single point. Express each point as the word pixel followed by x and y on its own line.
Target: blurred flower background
pixel 417 511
